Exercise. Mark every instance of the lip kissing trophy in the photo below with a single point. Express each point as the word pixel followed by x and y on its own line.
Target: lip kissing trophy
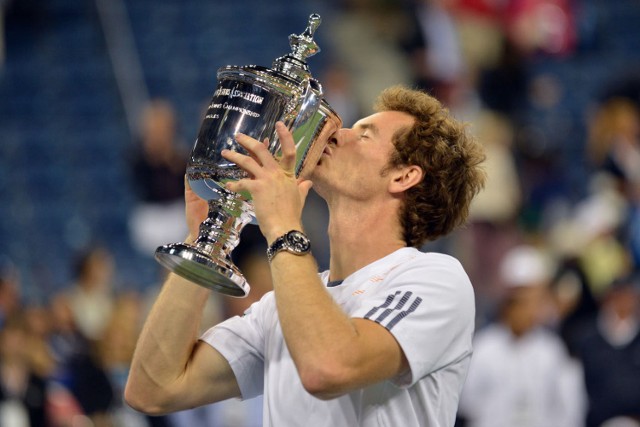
pixel 250 100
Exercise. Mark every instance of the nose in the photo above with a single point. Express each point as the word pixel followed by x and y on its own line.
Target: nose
pixel 340 137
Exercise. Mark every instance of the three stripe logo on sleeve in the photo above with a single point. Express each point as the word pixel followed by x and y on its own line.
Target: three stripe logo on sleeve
pixel 396 307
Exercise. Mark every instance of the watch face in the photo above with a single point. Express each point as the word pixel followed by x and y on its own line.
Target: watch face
pixel 298 242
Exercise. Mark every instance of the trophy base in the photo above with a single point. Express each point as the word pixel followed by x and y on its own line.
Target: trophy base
pixel 197 267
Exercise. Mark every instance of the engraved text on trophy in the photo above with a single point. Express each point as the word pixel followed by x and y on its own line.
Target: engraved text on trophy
pixel 236 107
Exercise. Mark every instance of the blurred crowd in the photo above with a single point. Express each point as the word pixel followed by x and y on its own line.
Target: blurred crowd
pixel 557 284
pixel 64 362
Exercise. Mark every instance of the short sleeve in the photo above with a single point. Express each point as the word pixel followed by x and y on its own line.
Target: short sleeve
pixel 240 340
pixel 428 306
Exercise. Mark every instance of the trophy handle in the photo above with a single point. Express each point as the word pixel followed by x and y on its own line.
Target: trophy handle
pixel 308 106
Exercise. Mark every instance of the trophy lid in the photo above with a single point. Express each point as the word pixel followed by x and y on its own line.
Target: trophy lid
pixel 303 46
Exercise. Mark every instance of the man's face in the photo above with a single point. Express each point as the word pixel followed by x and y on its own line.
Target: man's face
pixel 525 308
pixel 355 158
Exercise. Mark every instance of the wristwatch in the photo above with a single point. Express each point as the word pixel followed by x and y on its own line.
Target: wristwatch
pixel 293 241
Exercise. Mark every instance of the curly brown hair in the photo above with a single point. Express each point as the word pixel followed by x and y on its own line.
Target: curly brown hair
pixel 449 156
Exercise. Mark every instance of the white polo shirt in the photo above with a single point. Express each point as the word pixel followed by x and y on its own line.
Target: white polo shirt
pixel 424 299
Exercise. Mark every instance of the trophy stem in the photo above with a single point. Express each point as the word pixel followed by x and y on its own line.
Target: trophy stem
pixel 220 232
pixel 208 261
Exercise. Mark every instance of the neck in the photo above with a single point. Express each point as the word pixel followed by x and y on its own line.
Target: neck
pixel 361 233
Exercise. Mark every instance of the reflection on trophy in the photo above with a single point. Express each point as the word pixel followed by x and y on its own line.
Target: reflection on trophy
pixel 249 100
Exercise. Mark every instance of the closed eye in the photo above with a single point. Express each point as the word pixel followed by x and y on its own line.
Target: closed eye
pixel 367 130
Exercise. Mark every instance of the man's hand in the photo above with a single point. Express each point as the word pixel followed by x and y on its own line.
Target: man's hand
pixel 278 197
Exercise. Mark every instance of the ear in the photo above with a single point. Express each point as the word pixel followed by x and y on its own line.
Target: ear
pixel 404 178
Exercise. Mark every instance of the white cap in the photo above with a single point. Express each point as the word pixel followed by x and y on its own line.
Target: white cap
pixel 525 266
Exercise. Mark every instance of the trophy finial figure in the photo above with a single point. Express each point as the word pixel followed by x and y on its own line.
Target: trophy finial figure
pixel 303 45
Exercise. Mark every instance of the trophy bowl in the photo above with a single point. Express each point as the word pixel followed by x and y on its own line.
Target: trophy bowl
pixel 249 100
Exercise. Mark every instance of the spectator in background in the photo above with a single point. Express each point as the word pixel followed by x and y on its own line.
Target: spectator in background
pixel 442 63
pixel 591 241
pixel 614 149
pixel 9 292
pixel 114 351
pixel 610 354
pixel 614 142
pixel 598 219
pixel 23 376
pixel 91 296
pixel 337 87
pixel 64 341
pixel 541 26
pixel 573 299
pixel 370 39
pixel 81 314
pixel 520 374
pixel 157 168
pixel 79 378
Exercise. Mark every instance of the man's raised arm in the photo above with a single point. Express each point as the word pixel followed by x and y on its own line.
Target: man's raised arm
pixel 171 370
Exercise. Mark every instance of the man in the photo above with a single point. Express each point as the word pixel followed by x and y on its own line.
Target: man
pixel 384 336
pixel 521 373
pixel 609 348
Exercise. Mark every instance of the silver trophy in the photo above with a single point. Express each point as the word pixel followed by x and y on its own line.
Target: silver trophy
pixel 249 100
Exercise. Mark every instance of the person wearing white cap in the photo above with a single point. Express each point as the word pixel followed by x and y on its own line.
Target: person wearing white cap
pixel 521 374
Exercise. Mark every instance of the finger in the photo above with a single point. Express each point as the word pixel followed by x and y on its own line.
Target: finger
pixel 287 146
pixel 254 157
pixel 188 191
pixel 236 186
pixel 246 163
pixel 266 144
pixel 256 149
